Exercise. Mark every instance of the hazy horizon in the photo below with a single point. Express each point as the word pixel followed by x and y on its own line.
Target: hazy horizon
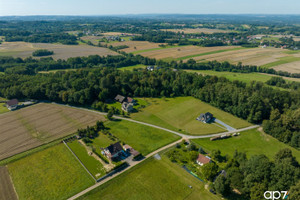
pixel 136 7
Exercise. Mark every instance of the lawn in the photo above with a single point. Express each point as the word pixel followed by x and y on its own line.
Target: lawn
pixel 180 114
pixel 3 108
pixel 131 68
pixel 152 180
pixel 93 165
pixel 281 61
pixel 142 138
pixel 252 142
pixel 50 174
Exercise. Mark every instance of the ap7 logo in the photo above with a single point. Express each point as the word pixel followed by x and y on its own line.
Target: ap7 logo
pixel 276 195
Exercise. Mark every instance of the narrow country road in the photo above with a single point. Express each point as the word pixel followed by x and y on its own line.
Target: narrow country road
pixel 183 136
pixel 168 130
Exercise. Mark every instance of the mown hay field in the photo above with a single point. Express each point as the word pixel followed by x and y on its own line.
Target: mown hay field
pixel 7 190
pixel 183 51
pixel 197 30
pixel 24 49
pixel 135 46
pixel 33 126
pixel 50 174
pixel 292 67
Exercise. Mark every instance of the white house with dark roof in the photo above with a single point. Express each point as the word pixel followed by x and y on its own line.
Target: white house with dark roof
pixel 12 104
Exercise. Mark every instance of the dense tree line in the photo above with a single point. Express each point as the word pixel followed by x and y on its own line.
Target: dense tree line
pixel 280 82
pixel 42 52
pixel 63 38
pixel 254 176
pixel 285 127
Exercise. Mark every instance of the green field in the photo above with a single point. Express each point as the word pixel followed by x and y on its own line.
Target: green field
pixel 208 53
pixel 147 50
pixel 281 61
pixel 142 138
pixel 130 68
pixel 50 174
pixel 252 142
pixel 56 70
pixel 153 180
pixel 245 77
pixel 3 108
pixel 93 165
pixel 180 114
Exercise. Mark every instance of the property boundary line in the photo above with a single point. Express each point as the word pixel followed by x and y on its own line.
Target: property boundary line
pixel 80 162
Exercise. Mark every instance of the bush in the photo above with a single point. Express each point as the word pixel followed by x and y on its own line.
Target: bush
pixel 42 52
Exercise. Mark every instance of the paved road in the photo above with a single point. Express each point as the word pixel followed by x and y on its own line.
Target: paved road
pixel 168 130
pixel 134 163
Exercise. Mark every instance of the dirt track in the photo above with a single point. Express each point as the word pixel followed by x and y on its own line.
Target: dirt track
pixel 7 191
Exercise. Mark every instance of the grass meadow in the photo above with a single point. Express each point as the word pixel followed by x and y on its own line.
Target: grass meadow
pixel 142 138
pixel 50 174
pixel 253 142
pixel 93 165
pixel 153 179
pixel 180 114
pixel 3 108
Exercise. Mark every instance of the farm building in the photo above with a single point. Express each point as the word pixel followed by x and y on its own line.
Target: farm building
pixel 131 100
pixel 206 118
pixel 131 150
pixel 120 98
pixel 113 151
pixel 12 104
pixel 127 107
pixel 202 160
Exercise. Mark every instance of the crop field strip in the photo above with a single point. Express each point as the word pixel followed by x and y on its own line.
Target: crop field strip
pixel 7 191
pixel 33 126
pixel 183 51
pixel 24 49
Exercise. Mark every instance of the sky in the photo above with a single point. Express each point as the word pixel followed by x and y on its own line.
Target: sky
pixel 113 7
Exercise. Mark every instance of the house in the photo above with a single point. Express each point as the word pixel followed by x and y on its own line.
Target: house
pixel 202 160
pixel 131 150
pixel 150 68
pixel 127 107
pixel 12 104
pixel 113 151
pixel 120 98
pixel 205 118
pixel 131 100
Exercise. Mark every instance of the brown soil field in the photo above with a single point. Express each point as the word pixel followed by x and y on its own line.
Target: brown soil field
pixel 137 45
pixel 24 49
pixel 7 191
pixel 182 51
pixel 252 56
pixel 197 30
pixel 118 34
pixel 293 67
pixel 30 127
